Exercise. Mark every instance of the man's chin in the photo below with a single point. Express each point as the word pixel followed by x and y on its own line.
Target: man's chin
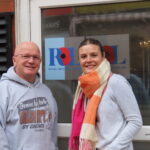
pixel 30 73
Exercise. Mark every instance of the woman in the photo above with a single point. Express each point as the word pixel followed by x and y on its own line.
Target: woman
pixel 105 113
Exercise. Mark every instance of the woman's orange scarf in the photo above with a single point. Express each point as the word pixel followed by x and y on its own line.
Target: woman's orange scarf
pixel 90 86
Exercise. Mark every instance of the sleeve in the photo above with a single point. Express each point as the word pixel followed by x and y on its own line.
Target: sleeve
pixel 55 126
pixel 129 107
pixel 3 138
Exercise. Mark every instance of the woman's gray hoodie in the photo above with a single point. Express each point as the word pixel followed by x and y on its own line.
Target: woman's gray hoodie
pixel 28 114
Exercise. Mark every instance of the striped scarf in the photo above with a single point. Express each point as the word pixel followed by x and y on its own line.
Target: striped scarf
pixel 90 86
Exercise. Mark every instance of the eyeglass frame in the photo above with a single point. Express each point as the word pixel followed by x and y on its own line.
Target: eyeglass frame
pixel 28 57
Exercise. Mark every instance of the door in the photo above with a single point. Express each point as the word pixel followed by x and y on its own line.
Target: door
pixel 55 24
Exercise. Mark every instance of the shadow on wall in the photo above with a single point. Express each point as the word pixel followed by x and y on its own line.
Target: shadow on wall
pixel 64 99
pixel 139 89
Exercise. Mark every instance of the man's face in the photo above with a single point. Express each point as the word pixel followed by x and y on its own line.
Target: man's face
pixel 27 63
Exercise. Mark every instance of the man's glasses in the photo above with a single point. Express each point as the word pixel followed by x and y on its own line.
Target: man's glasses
pixel 28 57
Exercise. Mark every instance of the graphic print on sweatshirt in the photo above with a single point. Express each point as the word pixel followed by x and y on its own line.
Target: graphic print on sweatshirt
pixel 35 113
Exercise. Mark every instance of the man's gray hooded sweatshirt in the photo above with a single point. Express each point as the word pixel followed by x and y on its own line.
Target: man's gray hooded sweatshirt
pixel 28 114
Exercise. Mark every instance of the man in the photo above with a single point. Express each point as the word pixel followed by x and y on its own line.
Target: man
pixel 28 110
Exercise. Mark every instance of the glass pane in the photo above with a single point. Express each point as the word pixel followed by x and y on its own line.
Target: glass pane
pixel 121 18
pixel 63 144
pixel 141 145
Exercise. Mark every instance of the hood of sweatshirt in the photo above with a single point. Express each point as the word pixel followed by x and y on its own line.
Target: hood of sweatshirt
pixel 27 114
pixel 12 76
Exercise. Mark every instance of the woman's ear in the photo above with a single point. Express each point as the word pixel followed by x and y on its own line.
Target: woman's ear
pixel 104 54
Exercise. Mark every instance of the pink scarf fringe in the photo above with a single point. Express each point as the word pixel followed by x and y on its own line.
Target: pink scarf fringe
pixel 77 119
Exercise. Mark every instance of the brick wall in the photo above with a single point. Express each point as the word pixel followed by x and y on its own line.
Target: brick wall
pixel 6 6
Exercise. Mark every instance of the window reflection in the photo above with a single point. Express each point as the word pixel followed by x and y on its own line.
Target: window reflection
pixel 85 21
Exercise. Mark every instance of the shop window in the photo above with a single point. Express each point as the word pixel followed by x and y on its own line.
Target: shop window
pixel 123 26
pixel 5 42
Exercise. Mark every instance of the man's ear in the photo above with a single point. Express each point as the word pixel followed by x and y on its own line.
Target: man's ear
pixel 14 60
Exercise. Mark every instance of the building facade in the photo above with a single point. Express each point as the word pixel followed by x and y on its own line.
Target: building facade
pixel 7 34
pixel 122 27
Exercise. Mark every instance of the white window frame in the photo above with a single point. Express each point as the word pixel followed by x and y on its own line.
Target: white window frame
pixel 28 27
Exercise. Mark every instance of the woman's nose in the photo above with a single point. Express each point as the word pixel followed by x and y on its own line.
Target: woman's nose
pixel 88 58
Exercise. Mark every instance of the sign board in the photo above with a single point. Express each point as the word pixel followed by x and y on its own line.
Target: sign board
pixel 61 55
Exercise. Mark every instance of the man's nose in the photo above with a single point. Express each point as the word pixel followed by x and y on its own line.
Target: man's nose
pixel 31 59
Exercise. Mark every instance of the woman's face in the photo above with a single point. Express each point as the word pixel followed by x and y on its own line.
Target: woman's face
pixel 90 57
